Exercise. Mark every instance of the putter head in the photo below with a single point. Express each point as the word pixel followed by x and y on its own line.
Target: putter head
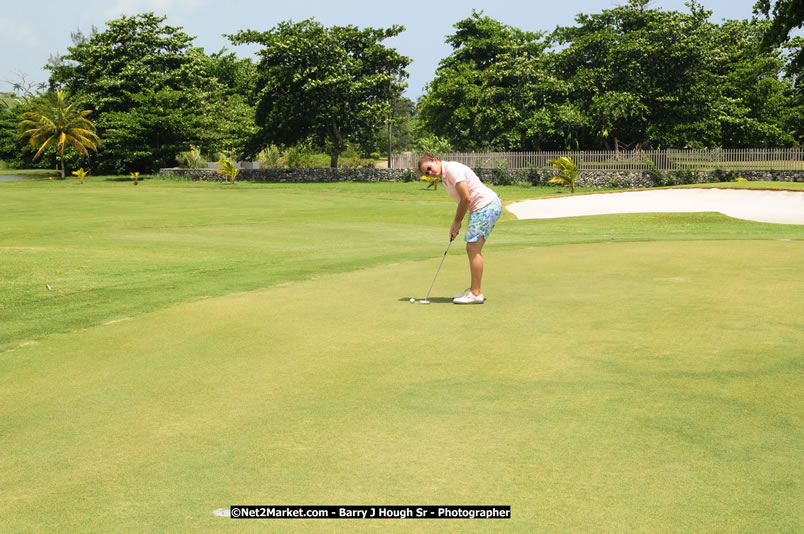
pixel 424 301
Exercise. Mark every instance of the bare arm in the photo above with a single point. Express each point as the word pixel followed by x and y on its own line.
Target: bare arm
pixel 460 212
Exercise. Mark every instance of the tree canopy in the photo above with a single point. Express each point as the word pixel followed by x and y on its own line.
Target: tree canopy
pixel 488 91
pixel 330 85
pixel 628 76
pixel 56 122
pixel 154 93
pixel 785 16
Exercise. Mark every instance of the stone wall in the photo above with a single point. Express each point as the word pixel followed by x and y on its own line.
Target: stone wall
pixel 602 179
pixel 318 174
pixel 637 179
pixel 627 179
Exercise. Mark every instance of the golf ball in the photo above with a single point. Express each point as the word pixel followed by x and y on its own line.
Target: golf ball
pixel 412 301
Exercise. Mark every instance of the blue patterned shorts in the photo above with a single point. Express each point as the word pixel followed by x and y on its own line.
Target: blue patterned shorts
pixel 483 220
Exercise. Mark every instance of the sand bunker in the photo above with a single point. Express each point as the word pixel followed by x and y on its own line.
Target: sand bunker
pixel 782 207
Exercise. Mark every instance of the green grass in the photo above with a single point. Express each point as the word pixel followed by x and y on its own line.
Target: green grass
pixel 109 249
pixel 206 345
pixel 31 173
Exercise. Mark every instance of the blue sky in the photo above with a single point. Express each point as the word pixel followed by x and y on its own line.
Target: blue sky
pixel 32 31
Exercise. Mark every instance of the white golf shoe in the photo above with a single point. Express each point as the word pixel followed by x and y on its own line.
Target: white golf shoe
pixel 464 293
pixel 469 298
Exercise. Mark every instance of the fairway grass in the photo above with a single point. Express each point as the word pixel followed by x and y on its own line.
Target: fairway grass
pixel 627 374
pixel 109 250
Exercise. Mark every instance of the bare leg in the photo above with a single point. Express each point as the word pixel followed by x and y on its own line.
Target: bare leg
pixel 473 250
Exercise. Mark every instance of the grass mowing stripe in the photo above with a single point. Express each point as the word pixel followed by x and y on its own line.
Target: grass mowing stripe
pixel 605 387
pixel 110 250
pixel 177 245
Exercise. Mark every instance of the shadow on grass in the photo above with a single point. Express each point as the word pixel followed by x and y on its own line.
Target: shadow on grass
pixel 120 179
pixel 433 300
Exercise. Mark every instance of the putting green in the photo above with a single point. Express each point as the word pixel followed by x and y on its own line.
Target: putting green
pixel 614 387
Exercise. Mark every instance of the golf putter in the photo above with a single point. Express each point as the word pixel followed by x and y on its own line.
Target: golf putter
pixel 427 298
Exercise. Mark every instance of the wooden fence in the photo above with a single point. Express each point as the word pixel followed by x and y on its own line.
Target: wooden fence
pixel 749 159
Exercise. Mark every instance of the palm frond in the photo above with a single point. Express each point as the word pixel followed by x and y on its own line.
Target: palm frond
pixel 42 148
pixel 433 181
pixel 78 146
pixel 53 120
pixel 567 172
pixel 228 168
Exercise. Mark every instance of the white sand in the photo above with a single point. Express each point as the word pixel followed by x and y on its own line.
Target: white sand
pixel 782 207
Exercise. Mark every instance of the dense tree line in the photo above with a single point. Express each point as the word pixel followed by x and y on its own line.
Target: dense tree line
pixel 329 85
pixel 630 76
pixel 784 16
pixel 624 77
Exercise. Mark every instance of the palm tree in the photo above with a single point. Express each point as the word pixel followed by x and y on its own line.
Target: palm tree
pixel 567 172
pixel 228 169
pixel 53 121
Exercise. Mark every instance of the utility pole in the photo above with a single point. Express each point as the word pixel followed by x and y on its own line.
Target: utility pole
pixel 390 116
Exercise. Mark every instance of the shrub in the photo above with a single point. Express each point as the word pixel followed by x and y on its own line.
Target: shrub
pixel 433 144
pixel 501 173
pixel 191 159
pixel 299 156
pixel 657 177
pixel 349 163
pixel 270 157
pixel 349 154
pixel 686 176
pixel 539 175
pixel 719 175
pixel 615 182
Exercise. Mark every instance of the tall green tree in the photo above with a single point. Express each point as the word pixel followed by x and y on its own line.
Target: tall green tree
pixel 626 77
pixel 56 123
pixel 667 79
pixel 331 85
pixel 642 76
pixel 757 104
pixel 487 90
pixel 225 120
pixel 146 87
pixel 237 76
pixel 522 104
pixel 785 16
pixel 402 119
pixel 403 123
pixel 11 146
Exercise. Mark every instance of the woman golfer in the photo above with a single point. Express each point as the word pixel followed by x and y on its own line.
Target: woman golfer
pixel 484 207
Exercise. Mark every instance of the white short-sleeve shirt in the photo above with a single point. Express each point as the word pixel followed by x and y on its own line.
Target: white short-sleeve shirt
pixel 453 172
